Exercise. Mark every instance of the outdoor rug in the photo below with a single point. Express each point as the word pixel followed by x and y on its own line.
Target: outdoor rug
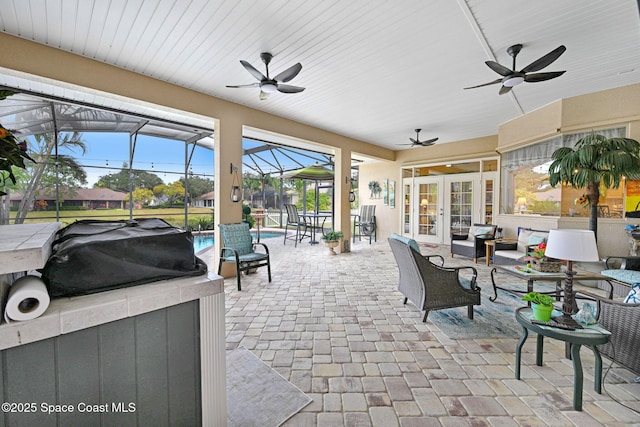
pixel 257 395
pixel 490 319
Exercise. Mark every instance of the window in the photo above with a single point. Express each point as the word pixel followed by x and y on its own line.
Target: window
pixel 526 188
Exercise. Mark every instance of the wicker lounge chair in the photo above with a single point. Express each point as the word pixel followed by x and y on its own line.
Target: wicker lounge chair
pixel 471 244
pixel 238 247
pixel 429 286
pixel 622 321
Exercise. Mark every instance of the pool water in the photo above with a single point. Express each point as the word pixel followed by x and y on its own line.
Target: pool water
pixel 203 241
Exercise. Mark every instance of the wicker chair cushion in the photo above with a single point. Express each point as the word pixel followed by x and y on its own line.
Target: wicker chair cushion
pixel 465 283
pixel 632 277
pixel 406 241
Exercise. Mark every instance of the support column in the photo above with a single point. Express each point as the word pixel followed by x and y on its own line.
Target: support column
pixel 342 186
pixel 227 152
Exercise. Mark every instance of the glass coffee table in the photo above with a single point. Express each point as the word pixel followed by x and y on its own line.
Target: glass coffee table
pixel 531 276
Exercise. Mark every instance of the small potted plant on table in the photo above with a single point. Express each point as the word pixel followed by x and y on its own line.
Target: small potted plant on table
pixel 332 239
pixel 541 304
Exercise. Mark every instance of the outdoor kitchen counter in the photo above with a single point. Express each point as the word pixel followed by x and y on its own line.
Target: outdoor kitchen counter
pixel 66 315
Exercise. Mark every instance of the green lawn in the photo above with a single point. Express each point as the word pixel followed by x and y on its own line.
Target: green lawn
pixel 173 216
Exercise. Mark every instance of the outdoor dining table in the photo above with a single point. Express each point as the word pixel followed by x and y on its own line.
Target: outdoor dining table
pixel 314 220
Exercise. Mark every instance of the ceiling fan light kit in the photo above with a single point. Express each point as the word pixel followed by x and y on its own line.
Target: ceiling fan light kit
pixel 528 74
pixel 512 81
pixel 270 85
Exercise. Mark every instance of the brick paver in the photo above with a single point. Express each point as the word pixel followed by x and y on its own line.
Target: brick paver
pixel 336 327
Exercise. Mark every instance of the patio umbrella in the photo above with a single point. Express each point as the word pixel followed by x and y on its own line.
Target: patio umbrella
pixel 315 173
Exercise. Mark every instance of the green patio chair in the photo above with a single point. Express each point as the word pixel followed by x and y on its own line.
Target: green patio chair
pixel 238 247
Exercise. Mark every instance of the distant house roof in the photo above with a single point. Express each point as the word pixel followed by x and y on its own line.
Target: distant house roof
pixel 207 196
pixel 81 194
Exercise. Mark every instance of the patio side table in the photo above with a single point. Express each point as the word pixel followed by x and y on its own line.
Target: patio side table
pixel 590 336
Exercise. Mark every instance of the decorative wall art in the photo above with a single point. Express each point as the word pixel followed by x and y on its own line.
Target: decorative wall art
pixel 375 189
pixel 385 191
pixel 392 194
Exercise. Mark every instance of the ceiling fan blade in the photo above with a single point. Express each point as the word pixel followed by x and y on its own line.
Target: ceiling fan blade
pixel 429 141
pixel 255 73
pixel 540 77
pixel 413 141
pixel 504 89
pixel 498 68
pixel 546 60
pixel 485 84
pixel 243 86
pixel 289 89
pixel 289 73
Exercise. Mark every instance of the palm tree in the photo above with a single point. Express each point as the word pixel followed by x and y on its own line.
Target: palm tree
pixel 596 159
pixel 45 163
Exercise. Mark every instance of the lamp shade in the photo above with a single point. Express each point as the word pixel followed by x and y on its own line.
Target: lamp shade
pixel 572 245
pixel 521 201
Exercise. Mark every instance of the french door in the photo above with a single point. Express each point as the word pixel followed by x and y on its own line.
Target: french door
pixel 442 204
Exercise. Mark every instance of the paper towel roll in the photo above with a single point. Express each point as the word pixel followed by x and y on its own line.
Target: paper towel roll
pixel 28 299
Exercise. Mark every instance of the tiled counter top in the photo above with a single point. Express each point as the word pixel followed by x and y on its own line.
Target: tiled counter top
pixel 66 315
pixel 25 246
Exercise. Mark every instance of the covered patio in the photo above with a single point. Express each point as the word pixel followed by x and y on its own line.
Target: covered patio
pixel 337 329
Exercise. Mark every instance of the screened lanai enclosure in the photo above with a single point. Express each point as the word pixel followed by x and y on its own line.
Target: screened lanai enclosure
pixel 100 157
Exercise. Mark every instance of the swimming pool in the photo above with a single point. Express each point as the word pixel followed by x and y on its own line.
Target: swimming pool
pixel 203 241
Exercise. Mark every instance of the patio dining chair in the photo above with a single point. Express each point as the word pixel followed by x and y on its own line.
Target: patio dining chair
pixel 295 220
pixel 238 247
pixel 364 224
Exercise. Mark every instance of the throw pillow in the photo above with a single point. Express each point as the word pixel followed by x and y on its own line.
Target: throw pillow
pixel 634 295
pixel 536 240
pixel 482 231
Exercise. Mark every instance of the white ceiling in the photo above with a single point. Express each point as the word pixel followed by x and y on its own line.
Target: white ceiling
pixel 373 70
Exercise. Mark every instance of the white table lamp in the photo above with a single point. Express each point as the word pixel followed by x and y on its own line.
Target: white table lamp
pixel 571 245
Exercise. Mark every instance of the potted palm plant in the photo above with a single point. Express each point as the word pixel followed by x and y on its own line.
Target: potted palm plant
pixel 595 159
pixel 332 239
pixel 541 304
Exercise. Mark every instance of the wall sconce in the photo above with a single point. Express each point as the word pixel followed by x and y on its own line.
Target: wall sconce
pixel 352 194
pixel 235 185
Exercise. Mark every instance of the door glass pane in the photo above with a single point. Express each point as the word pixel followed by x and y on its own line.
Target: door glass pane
pixel 428 209
pixel 407 208
pixel 461 205
pixel 488 202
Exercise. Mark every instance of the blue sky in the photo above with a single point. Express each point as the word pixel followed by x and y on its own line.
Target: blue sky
pixel 164 157
pixel 106 152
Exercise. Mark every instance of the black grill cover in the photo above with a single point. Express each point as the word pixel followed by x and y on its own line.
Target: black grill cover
pixel 91 256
